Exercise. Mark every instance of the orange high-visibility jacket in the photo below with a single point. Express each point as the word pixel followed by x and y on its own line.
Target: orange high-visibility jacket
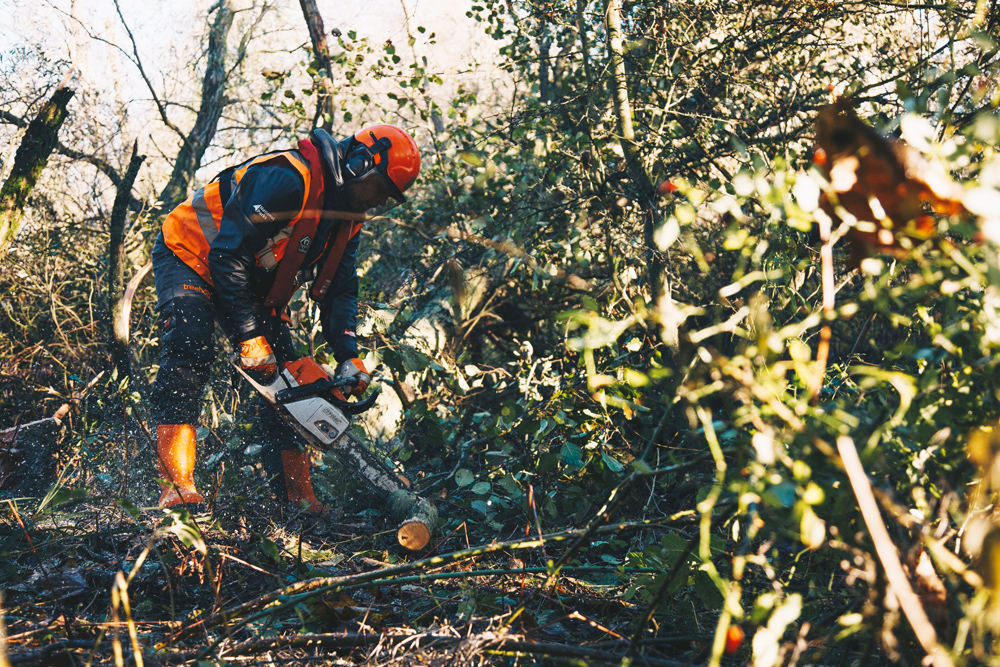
pixel 235 231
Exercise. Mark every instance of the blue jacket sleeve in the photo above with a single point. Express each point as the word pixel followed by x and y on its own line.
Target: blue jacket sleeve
pixel 339 309
pixel 267 198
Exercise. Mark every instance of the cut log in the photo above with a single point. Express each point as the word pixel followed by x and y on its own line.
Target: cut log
pixel 417 517
pixel 322 425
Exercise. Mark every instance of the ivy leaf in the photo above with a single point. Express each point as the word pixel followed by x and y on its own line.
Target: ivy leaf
pixel 132 510
pixel 271 549
pixel 65 495
pixel 672 548
pixel 510 485
pixel 471 158
pixel 706 590
pixel 183 526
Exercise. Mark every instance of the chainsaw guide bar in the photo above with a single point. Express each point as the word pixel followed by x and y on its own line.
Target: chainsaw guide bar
pixel 322 423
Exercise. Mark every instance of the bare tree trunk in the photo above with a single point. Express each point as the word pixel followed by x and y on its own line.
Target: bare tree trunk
pixel 213 101
pixel 29 162
pixel 321 53
pixel 116 260
pixel 633 160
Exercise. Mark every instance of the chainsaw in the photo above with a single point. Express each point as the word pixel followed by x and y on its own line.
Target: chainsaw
pixel 309 400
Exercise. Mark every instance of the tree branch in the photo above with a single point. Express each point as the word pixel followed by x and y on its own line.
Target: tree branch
pixel 149 84
pixel 887 554
pixel 213 101
pixel 32 155
pixel 317 33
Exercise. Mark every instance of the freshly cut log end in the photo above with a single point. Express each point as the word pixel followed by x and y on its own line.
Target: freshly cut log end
pixel 417 517
pixel 413 535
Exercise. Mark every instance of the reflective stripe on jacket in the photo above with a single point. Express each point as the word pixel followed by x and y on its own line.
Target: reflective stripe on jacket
pixel 234 232
pixel 191 228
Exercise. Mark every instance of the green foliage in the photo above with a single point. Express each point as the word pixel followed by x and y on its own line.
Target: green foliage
pixel 567 347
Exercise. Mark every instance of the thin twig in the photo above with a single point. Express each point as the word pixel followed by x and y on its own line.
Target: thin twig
pixel 829 297
pixel 48 582
pixel 149 84
pixel 303 590
pixel 861 335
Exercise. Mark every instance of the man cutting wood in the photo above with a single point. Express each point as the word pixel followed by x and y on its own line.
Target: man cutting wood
pixel 236 251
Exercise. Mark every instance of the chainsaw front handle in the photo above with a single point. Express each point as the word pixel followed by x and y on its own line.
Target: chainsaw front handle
pixel 355 408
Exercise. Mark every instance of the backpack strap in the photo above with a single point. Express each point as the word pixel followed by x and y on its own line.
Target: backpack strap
pixel 304 232
pixel 346 230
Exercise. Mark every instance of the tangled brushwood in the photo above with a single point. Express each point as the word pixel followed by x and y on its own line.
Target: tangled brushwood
pixel 688 330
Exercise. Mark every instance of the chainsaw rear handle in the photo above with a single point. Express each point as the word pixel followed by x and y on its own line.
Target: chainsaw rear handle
pixel 324 388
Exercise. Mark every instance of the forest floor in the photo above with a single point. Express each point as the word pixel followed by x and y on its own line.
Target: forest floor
pixel 90 581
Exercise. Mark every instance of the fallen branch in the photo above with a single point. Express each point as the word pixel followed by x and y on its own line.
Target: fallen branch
pixel 889 557
pixel 25 449
pixel 45 655
pixel 289 596
pixel 490 642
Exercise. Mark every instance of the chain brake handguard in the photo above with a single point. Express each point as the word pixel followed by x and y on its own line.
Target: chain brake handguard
pixel 315 418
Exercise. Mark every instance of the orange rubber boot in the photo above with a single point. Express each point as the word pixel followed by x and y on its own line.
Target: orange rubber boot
pixel 298 485
pixel 175 450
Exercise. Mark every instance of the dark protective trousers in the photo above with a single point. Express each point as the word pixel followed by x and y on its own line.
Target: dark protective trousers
pixel 187 350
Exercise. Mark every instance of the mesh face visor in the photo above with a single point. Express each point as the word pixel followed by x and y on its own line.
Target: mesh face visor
pixel 384 209
pixel 374 181
pixel 380 149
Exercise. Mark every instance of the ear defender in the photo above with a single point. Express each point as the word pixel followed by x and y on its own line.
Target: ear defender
pixel 330 152
pixel 362 159
pixel 388 151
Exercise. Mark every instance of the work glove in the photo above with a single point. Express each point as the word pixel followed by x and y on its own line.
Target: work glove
pixel 355 368
pixel 258 360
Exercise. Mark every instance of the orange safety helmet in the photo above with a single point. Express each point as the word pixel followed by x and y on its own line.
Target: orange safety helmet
pixel 388 150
